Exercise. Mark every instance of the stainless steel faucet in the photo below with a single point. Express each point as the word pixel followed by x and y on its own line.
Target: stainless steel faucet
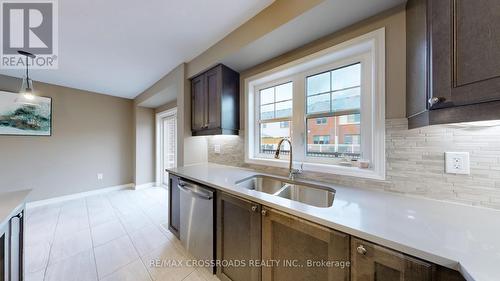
pixel 291 171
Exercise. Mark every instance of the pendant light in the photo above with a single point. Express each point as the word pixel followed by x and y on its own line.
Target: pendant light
pixel 27 94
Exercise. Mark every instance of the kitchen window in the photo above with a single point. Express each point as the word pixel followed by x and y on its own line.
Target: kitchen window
pixel 275 112
pixel 331 106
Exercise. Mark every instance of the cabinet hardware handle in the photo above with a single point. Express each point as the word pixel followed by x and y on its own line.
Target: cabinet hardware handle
pixel 361 250
pixel 254 208
pixel 435 100
pixel 264 212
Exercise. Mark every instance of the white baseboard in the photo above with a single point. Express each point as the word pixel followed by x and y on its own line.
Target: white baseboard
pixel 59 199
pixel 144 185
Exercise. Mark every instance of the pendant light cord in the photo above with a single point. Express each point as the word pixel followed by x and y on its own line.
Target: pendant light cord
pixel 27 74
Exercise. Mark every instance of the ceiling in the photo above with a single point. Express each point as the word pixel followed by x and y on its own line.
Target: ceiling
pixel 121 48
pixel 323 19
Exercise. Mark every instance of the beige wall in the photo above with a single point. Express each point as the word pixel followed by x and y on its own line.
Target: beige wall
pixel 272 17
pixel 194 149
pixel 10 84
pixel 166 106
pixel 395 36
pixel 190 150
pixel 144 145
pixel 91 133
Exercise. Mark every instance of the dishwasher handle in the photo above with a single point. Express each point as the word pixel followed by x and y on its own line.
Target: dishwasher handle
pixel 191 189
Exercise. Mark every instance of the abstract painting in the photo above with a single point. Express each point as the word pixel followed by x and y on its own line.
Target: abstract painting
pixel 23 117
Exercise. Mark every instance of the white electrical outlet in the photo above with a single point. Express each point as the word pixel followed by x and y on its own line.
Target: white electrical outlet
pixel 217 148
pixel 457 163
pixel 100 176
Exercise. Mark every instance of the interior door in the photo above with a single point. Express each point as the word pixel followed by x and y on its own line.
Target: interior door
pixel 169 145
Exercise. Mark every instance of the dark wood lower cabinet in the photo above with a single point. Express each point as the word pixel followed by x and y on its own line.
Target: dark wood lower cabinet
pixel 174 219
pixel 289 248
pixel 302 249
pixel 238 238
pixel 372 262
pixel 12 249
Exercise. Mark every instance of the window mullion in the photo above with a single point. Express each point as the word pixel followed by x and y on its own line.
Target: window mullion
pixel 298 117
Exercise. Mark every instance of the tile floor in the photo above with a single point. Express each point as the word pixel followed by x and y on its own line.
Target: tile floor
pixel 110 237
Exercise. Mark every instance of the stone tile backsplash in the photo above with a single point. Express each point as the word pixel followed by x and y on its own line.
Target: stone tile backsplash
pixel 415 163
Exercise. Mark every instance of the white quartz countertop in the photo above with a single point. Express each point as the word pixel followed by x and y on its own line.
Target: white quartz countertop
pixel 460 237
pixel 10 204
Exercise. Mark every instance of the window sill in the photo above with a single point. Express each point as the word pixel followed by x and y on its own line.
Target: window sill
pixel 321 168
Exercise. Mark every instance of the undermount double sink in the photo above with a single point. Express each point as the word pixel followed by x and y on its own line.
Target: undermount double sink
pixel 310 194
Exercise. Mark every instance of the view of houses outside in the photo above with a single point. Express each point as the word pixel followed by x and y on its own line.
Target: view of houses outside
pixel 334 136
pixel 271 134
pixel 333 101
pixel 333 118
pixel 275 116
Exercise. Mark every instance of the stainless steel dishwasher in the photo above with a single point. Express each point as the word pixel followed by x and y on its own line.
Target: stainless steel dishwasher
pixel 197 220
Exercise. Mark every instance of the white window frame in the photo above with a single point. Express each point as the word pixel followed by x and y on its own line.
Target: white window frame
pixel 369 49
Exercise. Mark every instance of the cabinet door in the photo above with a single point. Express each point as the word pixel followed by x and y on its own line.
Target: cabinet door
pixel 371 262
pixel 238 237
pixel 174 208
pixel 16 229
pixel 213 87
pixel 198 103
pixel 295 243
pixel 465 51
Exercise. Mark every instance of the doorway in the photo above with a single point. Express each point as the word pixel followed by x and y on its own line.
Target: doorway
pixel 166 144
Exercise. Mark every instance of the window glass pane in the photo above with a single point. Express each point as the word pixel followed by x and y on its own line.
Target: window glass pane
pixel 346 77
pixel 283 109
pixel 319 83
pixel 267 96
pixel 267 111
pixel 319 103
pixel 270 134
pixel 284 92
pixel 350 119
pixel 336 139
pixel 321 121
pixel 346 99
pixel 352 139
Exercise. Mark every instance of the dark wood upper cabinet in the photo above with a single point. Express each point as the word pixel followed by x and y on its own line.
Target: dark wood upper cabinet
pixel 286 238
pixel 174 209
pixel 453 61
pixel 198 103
pixel 215 102
pixel 238 237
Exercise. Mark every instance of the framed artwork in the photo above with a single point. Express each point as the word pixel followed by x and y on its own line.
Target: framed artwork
pixel 21 117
